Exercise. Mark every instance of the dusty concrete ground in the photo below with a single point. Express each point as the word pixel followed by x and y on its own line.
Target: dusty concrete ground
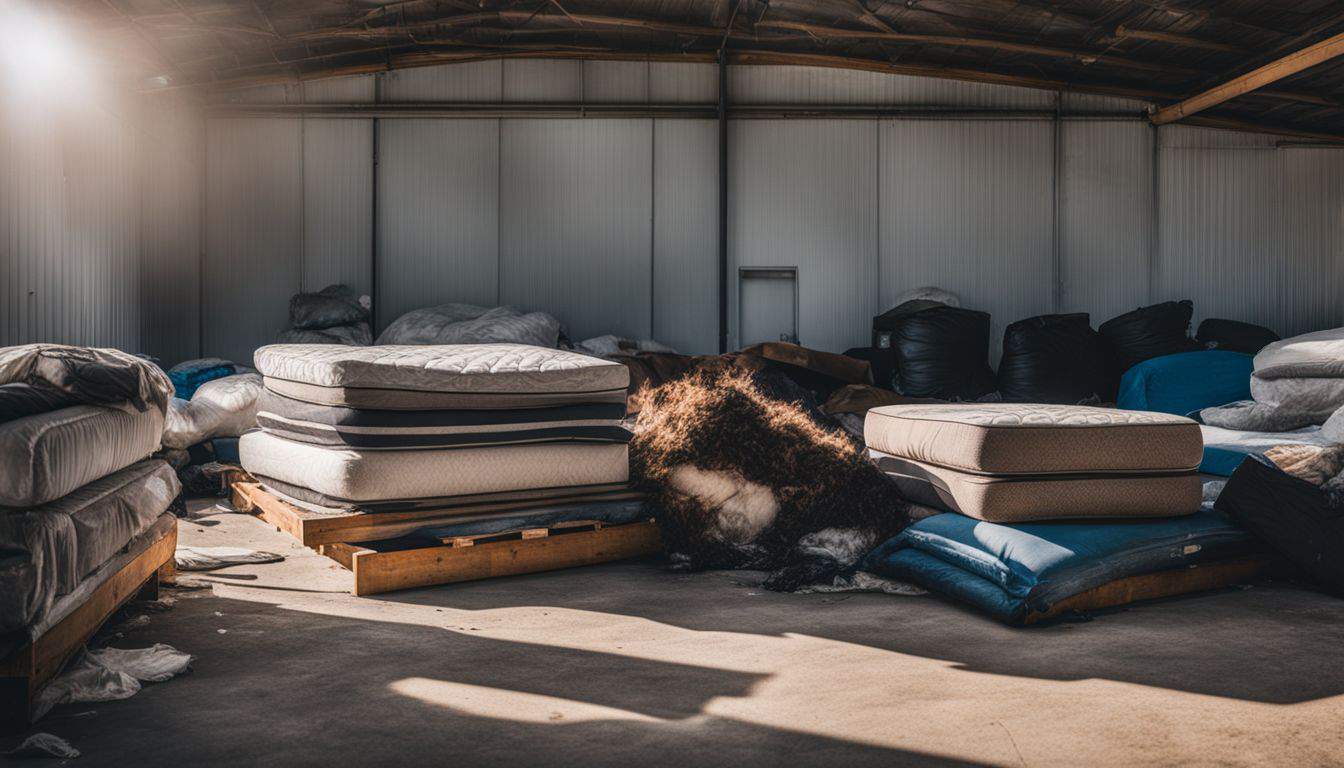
pixel 628 664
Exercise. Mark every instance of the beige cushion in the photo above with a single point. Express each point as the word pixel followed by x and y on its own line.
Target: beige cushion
pixel 1016 439
pixel 1020 499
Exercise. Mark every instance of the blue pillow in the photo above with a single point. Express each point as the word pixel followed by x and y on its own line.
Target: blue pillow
pixel 1012 571
pixel 1186 382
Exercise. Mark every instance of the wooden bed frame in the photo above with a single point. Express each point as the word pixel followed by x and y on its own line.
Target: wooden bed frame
pixel 26 670
pixel 367 543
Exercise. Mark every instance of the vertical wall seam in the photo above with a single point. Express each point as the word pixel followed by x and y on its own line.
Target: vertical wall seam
pixel 653 223
pixel 1056 208
pixel 877 219
pixel 303 188
pixel 1154 211
pixel 375 219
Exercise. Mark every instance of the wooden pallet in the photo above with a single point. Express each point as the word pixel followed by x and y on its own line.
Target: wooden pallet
pixel 24 672
pixel 314 529
pixel 1155 586
pixel 470 558
pixel 370 546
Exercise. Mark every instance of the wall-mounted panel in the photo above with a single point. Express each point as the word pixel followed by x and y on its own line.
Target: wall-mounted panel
pixel 1106 221
pixel 686 234
pixel 618 82
pixel 532 80
pixel 337 203
pixel 172 171
pixel 576 222
pixel 475 81
pixel 254 233
pixel 824 85
pixel 438 214
pixel 803 194
pixel 967 206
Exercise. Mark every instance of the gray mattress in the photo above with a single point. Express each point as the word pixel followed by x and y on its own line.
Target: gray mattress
pixel 355 474
pixel 439 376
pixel 337 426
pixel 46 456
pixel 46 551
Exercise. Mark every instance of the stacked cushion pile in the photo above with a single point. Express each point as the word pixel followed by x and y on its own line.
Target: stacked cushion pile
pixel 80 496
pixel 397 427
pixel 1042 502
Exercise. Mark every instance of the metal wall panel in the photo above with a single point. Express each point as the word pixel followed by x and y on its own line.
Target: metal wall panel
pixel 576 214
pixel 543 80
pixel 690 83
pixel 686 234
pixel 172 174
pixel 1249 232
pixel 253 233
pixel 1106 222
pixel 617 82
pixel 438 214
pixel 356 89
pixel 1084 103
pixel 802 194
pixel 767 84
pixel 337 203
pixel 966 206
pixel 478 81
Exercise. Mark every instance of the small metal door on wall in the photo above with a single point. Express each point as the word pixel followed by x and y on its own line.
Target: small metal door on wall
pixel 767 307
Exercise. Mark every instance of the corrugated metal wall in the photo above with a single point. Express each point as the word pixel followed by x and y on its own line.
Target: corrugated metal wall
pixel 99 218
pixel 612 224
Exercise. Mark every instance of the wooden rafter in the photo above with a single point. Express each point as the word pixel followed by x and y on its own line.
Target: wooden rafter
pixel 1272 72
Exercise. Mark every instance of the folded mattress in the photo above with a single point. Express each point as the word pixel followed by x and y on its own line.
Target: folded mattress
pixel 311 501
pixel 343 427
pixel 1021 498
pixel 459 376
pixel 47 455
pixel 357 474
pixel 1032 439
pixel 1224 449
pixel 1304 373
pixel 47 550
pixel 1014 571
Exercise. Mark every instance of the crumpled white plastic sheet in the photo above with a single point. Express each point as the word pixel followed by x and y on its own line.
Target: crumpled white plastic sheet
pixel 44 745
pixel 863 581
pixel 111 674
pixel 212 558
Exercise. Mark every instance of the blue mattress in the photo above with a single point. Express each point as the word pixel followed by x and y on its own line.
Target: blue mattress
pixel 1013 571
pixel 1225 448
pixel 1186 382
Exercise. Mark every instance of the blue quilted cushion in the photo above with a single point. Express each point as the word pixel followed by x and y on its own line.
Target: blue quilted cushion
pixel 1186 382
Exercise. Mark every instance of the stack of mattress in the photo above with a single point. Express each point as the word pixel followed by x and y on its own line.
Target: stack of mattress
pixel 1043 501
pixel 1020 462
pixel 401 427
pixel 79 499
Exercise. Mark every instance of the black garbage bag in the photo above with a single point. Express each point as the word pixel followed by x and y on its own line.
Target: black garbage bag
pixel 332 306
pixel 1051 359
pixel 1299 521
pixel 1148 332
pixel 1234 335
pixel 880 361
pixel 940 352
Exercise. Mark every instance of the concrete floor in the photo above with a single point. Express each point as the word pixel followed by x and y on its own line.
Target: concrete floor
pixel 628 664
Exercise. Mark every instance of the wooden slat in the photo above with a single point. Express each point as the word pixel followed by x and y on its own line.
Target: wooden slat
pixel 1272 72
pixel 32 666
pixel 313 529
pixel 377 572
pixel 344 554
pixel 1154 586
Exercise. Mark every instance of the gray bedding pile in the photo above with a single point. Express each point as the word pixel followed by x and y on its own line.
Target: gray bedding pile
pixel 402 426
pixel 1296 383
pixel 79 489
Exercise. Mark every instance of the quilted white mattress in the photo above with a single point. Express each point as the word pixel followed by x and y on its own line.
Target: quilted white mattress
pixel 450 368
pixel 353 474
pixel 46 456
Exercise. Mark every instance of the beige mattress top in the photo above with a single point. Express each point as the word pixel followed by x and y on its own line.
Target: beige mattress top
pixel 1032 439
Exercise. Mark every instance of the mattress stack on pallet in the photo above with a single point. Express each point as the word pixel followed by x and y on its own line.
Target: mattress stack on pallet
pixel 387 429
pixel 1046 502
pixel 80 499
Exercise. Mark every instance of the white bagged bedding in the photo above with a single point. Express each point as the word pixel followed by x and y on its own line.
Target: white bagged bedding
pixel 1304 373
pixel 48 455
pixel 225 407
pixel 352 474
pixel 46 551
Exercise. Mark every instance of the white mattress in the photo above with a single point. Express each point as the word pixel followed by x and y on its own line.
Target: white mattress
pixel 352 474
pixel 480 369
pixel 46 456
pixel 46 551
